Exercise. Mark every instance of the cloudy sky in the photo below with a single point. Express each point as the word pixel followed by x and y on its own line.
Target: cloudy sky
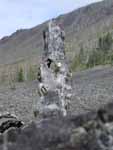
pixel 16 14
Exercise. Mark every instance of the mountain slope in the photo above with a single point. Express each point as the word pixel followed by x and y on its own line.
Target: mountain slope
pixel 82 28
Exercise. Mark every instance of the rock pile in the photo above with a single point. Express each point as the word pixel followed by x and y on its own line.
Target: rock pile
pixel 91 131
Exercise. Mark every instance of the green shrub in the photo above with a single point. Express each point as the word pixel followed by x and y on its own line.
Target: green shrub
pixel 105 42
pixel 20 75
pixel 95 58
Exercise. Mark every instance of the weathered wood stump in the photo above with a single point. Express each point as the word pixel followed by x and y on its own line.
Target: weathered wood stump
pixel 54 77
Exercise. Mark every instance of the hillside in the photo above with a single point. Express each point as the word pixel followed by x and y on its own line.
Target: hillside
pixel 82 26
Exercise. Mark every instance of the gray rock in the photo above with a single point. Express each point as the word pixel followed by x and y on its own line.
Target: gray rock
pixel 84 132
pixel 8 121
pixel 54 76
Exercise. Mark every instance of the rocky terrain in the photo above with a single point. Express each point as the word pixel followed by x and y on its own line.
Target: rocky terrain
pixel 88 125
pixel 89 131
pixel 91 89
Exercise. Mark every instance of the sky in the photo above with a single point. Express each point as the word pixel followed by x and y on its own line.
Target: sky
pixel 20 14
